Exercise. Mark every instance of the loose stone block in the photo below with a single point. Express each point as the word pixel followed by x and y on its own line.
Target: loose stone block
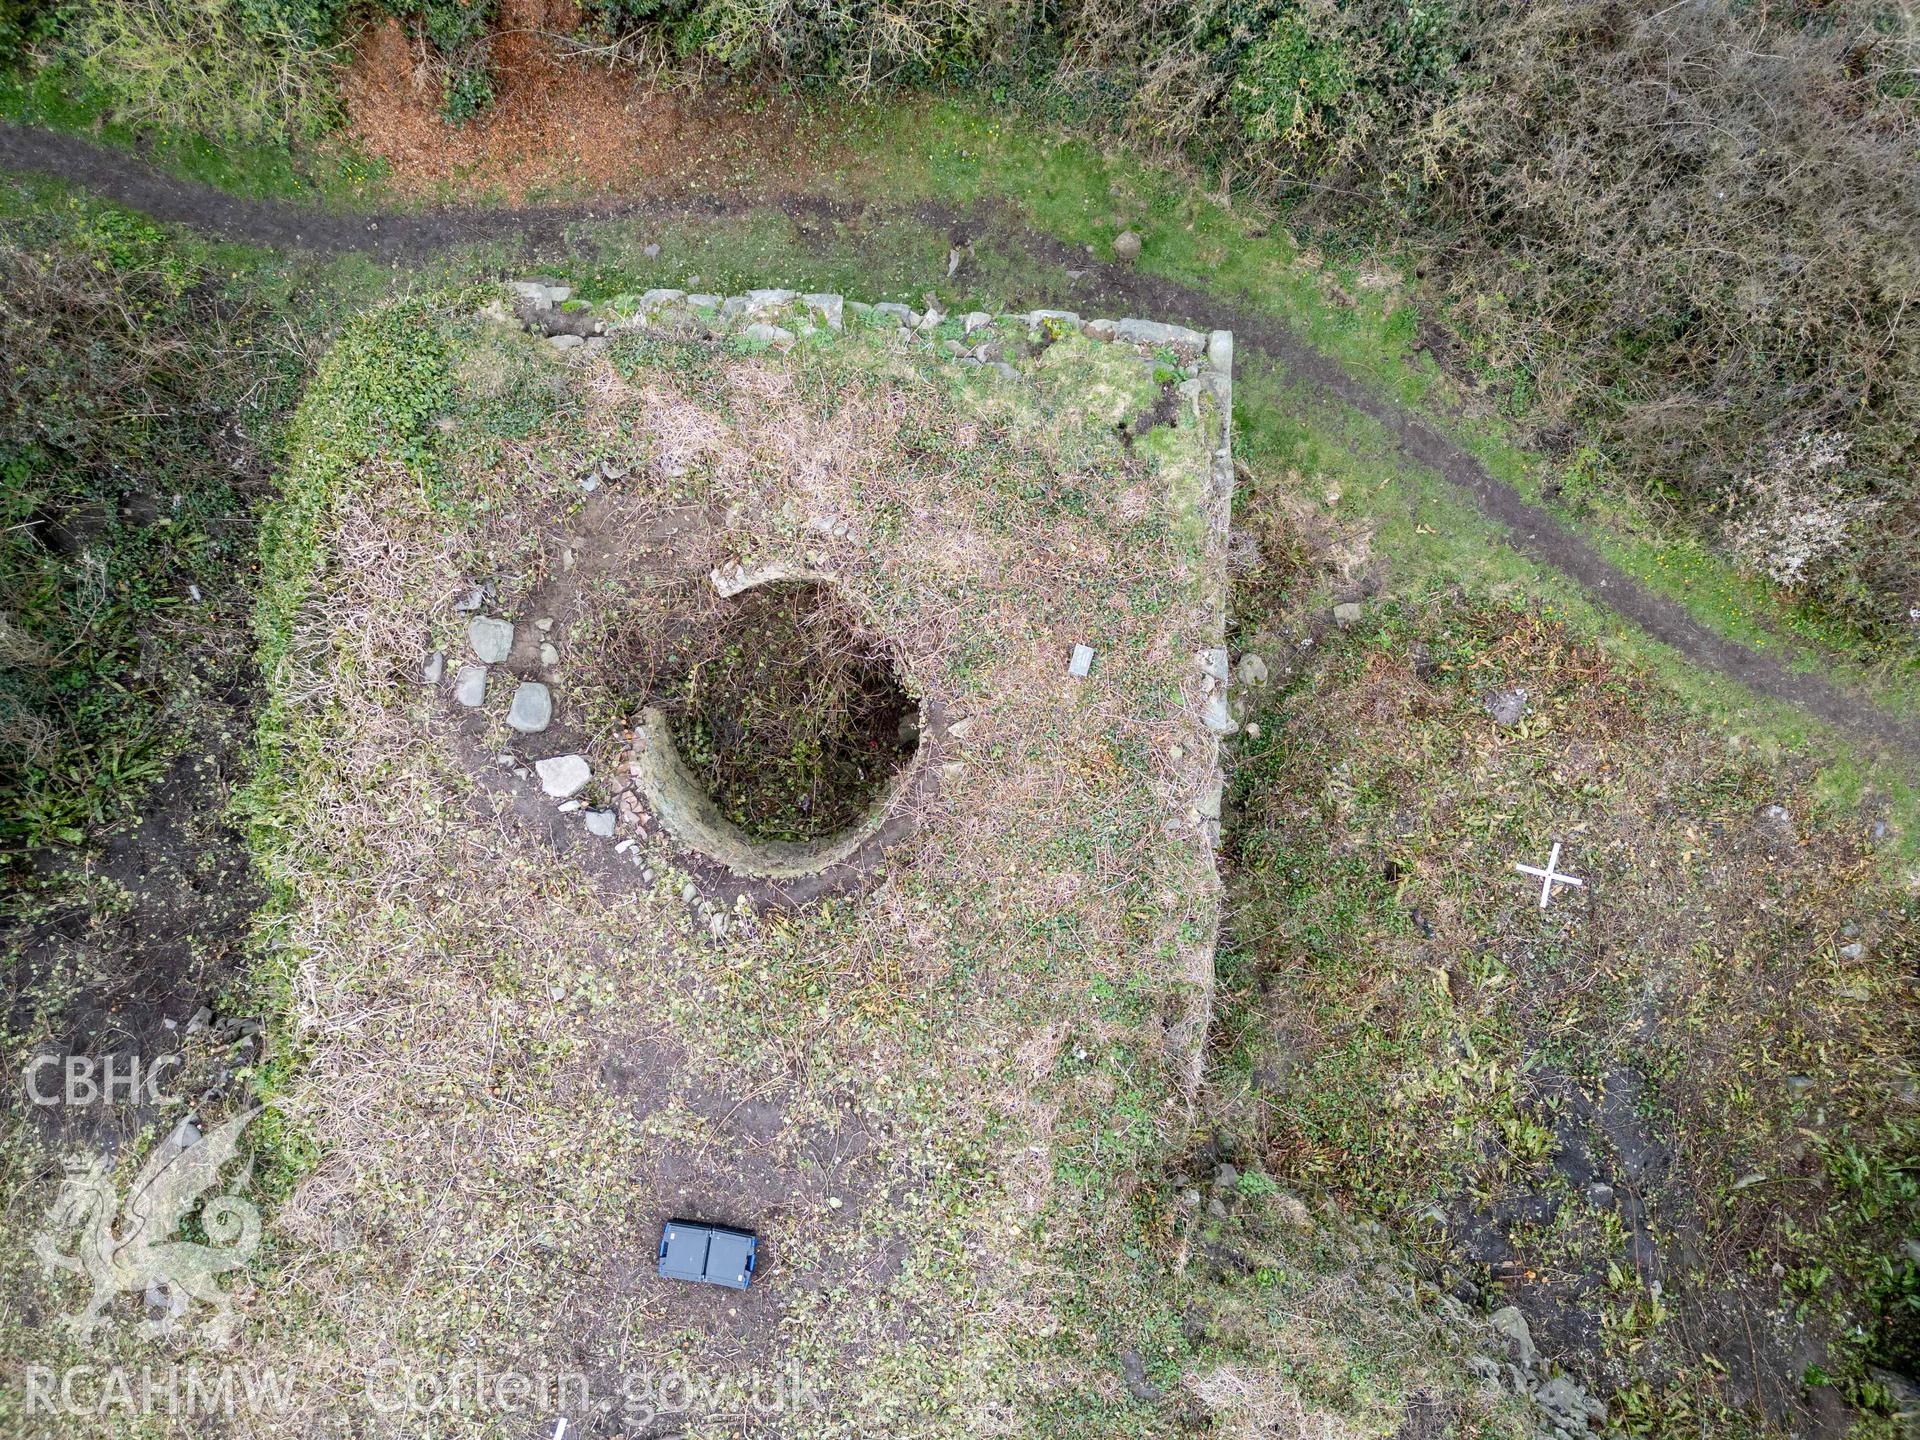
pixel 563 776
pixel 492 640
pixel 532 709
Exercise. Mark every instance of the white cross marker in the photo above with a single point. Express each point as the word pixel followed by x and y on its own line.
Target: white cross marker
pixel 1549 877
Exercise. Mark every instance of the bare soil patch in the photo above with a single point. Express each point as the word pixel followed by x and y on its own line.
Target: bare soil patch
pixel 136 936
pixel 558 121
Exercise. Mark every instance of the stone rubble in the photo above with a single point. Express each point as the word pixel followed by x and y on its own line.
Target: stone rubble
pixel 1506 706
pixel 1564 1409
pixel 563 776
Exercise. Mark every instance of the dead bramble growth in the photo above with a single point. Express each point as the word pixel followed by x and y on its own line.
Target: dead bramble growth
pixel 784 707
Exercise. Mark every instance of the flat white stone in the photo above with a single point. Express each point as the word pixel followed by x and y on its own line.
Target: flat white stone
pixel 470 686
pixel 600 822
pixel 831 308
pixel 563 776
pixel 1081 662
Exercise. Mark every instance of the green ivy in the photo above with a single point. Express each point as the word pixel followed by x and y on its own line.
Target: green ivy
pixel 467 91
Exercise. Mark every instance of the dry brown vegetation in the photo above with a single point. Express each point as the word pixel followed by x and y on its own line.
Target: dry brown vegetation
pixel 555 119
pixel 520 1050
pixel 1692 236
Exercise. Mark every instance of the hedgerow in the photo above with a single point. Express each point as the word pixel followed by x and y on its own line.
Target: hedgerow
pixel 1694 235
pixel 1682 236
pixel 234 69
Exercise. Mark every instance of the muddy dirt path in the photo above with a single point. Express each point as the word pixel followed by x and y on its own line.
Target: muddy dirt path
pixel 1103 289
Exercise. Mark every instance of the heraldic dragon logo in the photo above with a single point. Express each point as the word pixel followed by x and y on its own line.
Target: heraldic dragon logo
pixel 133 1247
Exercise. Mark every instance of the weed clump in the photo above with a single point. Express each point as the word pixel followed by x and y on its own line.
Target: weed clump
pixel 125 462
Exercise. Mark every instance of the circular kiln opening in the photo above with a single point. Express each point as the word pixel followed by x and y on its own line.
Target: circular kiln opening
pixel 777 731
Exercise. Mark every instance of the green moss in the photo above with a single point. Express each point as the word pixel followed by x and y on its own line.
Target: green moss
pixel 373 394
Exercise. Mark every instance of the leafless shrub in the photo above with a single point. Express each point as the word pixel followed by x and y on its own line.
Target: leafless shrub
pixel 1795 513
pixel 1703 226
